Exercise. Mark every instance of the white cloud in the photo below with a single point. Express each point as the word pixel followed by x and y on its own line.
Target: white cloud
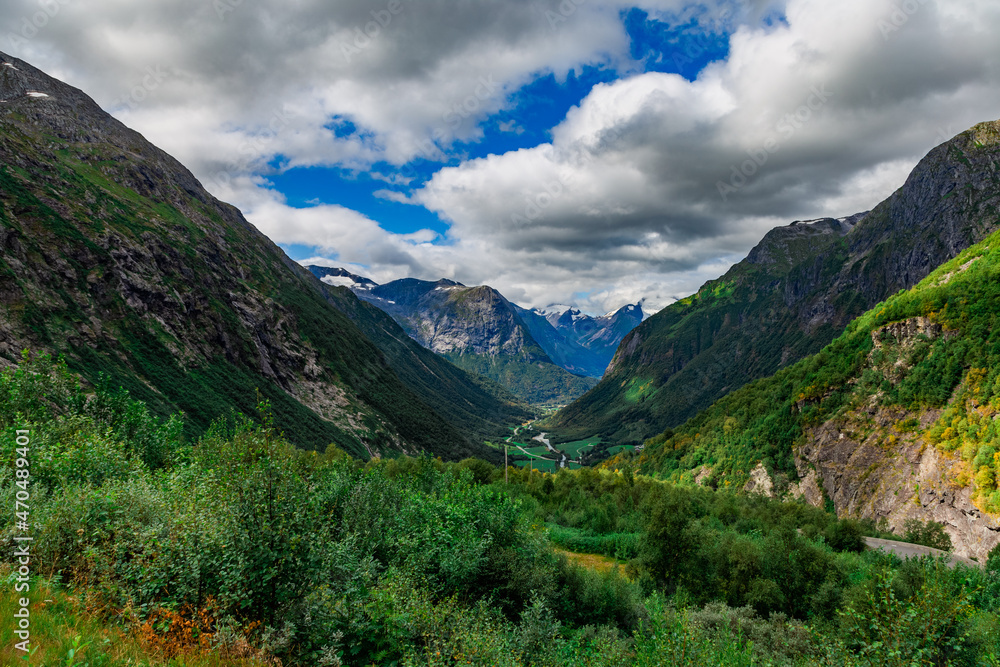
pixel 623 203
pixel 631 178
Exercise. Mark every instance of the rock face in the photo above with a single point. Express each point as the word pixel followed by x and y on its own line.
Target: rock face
pixel 870 477
pixel 590 342
pixel 760 482
pixel 793 294
pixel 114 255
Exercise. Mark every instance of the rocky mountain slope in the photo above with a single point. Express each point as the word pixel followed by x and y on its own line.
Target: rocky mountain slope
pixel 481 408
pixel 899 417
pixel 115 256
pixel 791 296
pixel 476 329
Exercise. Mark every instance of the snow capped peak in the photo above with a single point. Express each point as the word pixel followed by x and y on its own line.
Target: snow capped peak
pixel 554 309
pixel 338 281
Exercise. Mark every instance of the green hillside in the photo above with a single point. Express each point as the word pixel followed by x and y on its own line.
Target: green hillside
pixel 484 409
pixel 537 381
pixel 949 368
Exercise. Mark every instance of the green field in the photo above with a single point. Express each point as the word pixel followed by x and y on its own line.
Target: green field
pixel 574 449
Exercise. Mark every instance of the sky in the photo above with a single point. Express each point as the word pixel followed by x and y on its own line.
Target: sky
pixel 580 152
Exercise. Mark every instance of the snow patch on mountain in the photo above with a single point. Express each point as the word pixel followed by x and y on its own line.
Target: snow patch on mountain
pixel 338 281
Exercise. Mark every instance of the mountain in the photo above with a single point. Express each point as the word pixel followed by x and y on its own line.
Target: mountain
pixel 116 257
pixel 562 349
pixel 791 296
pixel 601 335
pixel 579 342
pixel 899 417
pixel 476 329
pixel 342 278
pixel 481 408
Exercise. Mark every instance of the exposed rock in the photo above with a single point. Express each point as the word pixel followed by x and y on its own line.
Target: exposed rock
pixel 904 334
pixel 760 482
pixel 703 474
pixel 477 329
pixel 807 489
pixel 795 292
pixel 113 254
pixel 894 476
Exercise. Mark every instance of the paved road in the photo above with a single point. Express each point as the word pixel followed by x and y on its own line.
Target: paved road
pixel 907 550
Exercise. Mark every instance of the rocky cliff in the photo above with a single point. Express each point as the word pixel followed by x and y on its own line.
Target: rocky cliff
pixel 897 419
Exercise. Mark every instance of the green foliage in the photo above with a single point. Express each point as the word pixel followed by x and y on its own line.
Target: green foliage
pixel 924 627
pixel 412 561
pixel 955 368
pixel 538 382
pixel 927 533
pixel 222 312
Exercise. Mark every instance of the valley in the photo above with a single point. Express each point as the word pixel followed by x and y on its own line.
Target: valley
pixel 237 458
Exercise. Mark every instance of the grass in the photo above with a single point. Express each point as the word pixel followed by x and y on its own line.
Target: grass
pixel 574 449
pixel 589 561
pixel 66 632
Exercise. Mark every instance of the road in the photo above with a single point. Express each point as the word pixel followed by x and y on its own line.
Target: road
pixel 906 550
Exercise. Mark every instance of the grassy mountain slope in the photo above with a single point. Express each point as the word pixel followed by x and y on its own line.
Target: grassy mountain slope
pixel 114 255
pixel 894 419
pixel 795 292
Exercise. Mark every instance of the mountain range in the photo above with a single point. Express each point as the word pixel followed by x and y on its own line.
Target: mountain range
pixel 897 418
pixel 542 357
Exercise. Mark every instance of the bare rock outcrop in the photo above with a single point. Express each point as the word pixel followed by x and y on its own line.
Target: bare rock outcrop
pixel 887 473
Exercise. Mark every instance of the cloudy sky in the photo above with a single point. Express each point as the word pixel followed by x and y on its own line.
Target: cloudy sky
pixel 583 152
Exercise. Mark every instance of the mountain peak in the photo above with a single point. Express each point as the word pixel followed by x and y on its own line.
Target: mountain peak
pixel 337 277
pixel 783 247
